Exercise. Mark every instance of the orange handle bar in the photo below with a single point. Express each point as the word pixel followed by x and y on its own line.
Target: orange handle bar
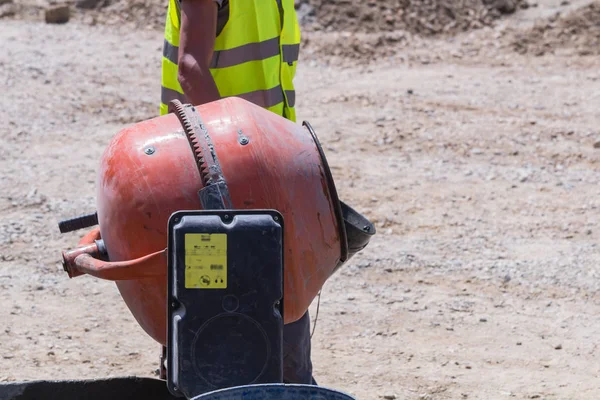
pixel 152 265
pixel 84 260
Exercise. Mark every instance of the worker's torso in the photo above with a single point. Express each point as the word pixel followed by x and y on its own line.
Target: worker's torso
pixel 255 54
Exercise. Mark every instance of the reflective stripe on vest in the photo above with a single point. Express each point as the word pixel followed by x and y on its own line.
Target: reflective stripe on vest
pixel 254 57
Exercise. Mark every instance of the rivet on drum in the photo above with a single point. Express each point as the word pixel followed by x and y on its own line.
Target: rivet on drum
pixel 149 150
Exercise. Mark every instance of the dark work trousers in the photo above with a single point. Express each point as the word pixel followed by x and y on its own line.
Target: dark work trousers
pixel 297 365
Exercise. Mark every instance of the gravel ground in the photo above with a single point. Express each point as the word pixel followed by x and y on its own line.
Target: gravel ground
pixel 479 165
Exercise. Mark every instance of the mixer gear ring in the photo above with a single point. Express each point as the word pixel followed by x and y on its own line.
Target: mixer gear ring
pixel 215 186
pixel 180 111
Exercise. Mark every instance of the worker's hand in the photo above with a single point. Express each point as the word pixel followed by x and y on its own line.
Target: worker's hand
pixel 196 45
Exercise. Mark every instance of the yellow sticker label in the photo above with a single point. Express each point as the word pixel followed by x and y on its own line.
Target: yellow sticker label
pixel 206 261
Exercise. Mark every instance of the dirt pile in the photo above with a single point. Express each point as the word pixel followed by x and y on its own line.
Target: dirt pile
pixel 578 31
pixel 371 30
pixel 422 17
pixel 140 13
pixel 358 30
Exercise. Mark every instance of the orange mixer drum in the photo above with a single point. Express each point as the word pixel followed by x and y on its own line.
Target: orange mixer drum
pixel 256 160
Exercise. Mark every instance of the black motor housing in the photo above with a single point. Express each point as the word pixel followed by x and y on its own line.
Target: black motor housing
pixel 225 290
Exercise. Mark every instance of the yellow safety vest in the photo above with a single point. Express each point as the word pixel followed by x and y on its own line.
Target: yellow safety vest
pixel 255 55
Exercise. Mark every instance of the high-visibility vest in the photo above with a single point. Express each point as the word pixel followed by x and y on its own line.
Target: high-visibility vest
pixel 255 55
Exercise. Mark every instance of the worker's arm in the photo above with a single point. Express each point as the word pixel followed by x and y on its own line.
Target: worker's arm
pixel 196 44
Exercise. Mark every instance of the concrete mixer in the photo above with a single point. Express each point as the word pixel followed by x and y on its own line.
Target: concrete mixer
pixel 219 224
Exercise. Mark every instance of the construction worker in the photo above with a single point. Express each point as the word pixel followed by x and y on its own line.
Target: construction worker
pixel 222 48
pixel 245 48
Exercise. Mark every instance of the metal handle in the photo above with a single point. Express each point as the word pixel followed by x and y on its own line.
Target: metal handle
pixel 149 266
pixel 77 223
pixel 87 259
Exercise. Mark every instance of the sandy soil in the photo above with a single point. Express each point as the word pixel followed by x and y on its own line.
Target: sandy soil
pixel 480 166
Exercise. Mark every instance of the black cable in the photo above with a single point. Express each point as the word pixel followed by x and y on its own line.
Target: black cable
pixel 316 315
